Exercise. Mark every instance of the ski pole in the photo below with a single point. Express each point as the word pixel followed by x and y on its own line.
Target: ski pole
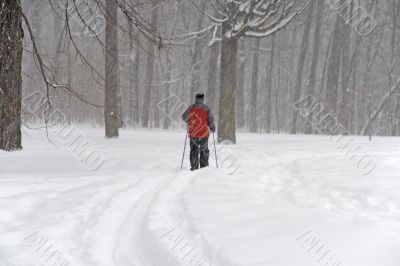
pixel 215 150
pixel 184 149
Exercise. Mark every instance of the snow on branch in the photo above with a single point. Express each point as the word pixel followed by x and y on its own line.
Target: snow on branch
pixel 256 18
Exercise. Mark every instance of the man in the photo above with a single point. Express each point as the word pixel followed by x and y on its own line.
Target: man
pixel 200 121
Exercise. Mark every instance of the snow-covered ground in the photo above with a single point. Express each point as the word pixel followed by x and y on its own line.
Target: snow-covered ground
pixel 291 200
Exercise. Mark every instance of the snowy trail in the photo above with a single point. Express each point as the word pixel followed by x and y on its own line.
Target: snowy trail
pixel 94 218
pixel 139 208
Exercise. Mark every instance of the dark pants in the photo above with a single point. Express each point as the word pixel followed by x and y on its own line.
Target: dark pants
pixel 199 147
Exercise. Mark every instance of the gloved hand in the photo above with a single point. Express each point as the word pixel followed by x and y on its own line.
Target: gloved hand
pixel 212 129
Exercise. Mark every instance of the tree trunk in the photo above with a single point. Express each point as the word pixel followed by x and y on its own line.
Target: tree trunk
pixel 269 83
pixel 315 57
pixel 167 110
pixel 11 35
pixel 373 116
pixel 278 85
pixel 345 111
pixel 393 51
pixel 331 95
pixel 119 103
pixel 240 88
pixel 156 99
pixel 254 88
pixel 36 24
pixel 212 77
pixel 112 71
pixel 148 84
pixel 226 122
pixel 134 80
pixel 355 91
pixel 300 65
pixel 354 95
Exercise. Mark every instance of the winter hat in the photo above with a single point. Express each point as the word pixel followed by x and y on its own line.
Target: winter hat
pixel 200 95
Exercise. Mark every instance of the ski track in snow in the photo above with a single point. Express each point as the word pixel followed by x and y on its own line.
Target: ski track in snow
pixel 284 187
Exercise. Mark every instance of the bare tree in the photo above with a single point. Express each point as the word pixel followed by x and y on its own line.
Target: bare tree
pixel 134 79
pixel 344 115
pixel 167 76
pixel 301 64
pixel 212 76
pixel 148 86
pixel 315 56
pixel 395 5
pixel 111 109
pixel 254 18
pixel 254 87
pixel 331 95
pixel 269 84
pixel 11 35
pixel 240 87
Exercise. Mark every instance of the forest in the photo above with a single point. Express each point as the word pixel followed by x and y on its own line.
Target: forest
pixel 134 64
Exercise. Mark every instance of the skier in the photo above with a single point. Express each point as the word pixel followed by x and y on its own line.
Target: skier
pixel 200 121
